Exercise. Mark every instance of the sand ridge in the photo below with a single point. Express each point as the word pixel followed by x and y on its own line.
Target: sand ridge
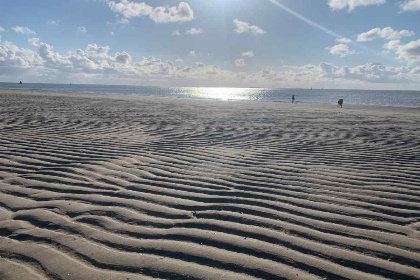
pixel 128 187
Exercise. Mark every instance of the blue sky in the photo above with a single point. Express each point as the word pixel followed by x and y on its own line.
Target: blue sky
pixel 370 44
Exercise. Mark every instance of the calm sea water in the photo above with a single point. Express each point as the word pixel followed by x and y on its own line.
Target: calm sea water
pixel 325 96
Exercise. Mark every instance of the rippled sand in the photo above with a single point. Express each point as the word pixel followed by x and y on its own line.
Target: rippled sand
pixel 122 187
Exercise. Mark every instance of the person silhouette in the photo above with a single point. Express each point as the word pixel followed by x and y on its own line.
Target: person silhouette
pixel 293 99
pixel 340 102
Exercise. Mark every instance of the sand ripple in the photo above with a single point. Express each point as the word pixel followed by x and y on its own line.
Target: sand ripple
pixel 140 188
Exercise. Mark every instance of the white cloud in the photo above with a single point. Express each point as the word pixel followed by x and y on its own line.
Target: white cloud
pixel 194 31
pixel 182 13
pixel 240 62
pixel 112 33
pixel 353 4
pixel 179 60
pixel 124 58
pixel 1 29
pixel 340 50
pixel 15 59
pixel 386 33
pixel 248 54
pixel 410 6
pixel 191 31
pixel 392 45
pixel 192 53
pixel 409 52
pixel 120 21
pixel 95 64
pixel 34 41
pixel 128 9
pixel 23 30
pixel 52 22
pixel 343 40
pixel 81 29
pixel 244 27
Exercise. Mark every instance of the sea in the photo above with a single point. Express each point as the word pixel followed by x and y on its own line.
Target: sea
pixel 391 98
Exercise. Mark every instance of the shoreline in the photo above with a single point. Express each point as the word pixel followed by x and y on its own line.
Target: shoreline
pixel 133 96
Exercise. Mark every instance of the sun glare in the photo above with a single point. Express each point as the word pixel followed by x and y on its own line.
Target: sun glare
pixel 224 93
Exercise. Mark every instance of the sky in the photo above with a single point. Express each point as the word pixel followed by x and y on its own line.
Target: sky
pixel 360 44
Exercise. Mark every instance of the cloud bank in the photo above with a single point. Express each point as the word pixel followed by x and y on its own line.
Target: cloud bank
pixel 96 63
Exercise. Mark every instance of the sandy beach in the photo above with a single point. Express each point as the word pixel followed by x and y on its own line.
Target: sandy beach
pixel 129 187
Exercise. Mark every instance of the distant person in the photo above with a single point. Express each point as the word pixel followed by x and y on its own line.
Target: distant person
pixel 340 102
pixel 293 99
pixel 20 82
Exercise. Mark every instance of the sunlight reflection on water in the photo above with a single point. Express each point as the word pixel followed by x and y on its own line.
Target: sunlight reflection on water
pixel 223 93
